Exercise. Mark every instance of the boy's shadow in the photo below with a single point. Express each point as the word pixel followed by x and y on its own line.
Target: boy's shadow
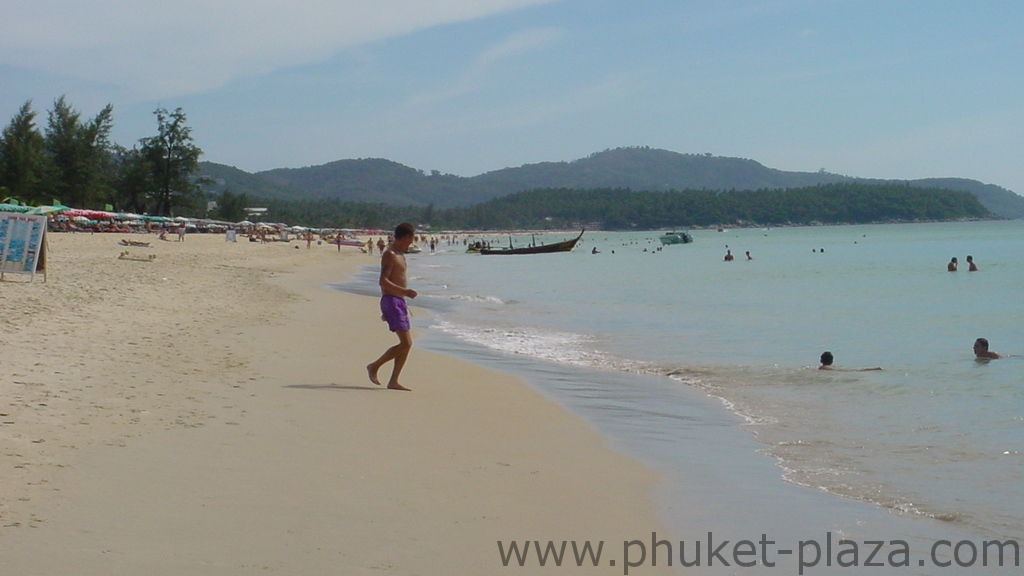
pixel 339 387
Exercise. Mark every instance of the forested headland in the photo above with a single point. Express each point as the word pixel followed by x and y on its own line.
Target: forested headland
pixel 620 209
pixel 70 159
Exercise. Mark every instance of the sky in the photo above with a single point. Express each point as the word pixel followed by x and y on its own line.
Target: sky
pixel 870 88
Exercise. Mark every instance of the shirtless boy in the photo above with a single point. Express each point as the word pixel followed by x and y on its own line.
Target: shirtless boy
pixel 392 305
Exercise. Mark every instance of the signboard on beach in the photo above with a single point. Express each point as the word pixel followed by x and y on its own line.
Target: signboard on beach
pixel 22 243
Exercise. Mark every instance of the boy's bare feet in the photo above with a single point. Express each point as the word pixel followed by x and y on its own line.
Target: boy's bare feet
pixel 397 386
pixel 372 373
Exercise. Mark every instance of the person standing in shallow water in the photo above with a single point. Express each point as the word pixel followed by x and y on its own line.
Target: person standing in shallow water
pixel 392 305
pixel 951 267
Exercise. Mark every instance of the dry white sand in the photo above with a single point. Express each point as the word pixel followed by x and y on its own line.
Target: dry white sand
pixel 208 412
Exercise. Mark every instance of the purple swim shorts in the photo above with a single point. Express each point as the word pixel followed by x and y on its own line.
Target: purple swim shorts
pixel 394 312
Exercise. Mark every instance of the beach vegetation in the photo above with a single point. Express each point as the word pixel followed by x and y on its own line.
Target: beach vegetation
pixel 74 162
pixel 23 156
pixel 133 180
pixel 230 207
pixel 173 159
pixel 76 152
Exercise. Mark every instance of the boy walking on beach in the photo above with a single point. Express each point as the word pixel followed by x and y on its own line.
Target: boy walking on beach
pixel 392 305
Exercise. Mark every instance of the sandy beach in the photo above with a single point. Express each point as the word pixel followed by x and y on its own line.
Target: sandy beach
pixel 207 411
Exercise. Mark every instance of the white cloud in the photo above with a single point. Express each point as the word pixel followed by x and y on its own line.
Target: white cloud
pixel 519 44
pixel 157 48
pixel 473 79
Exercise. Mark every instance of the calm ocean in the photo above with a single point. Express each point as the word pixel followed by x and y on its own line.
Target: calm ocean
pixel 707 370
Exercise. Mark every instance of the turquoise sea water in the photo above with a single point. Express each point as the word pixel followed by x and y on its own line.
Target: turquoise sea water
pixel 708 369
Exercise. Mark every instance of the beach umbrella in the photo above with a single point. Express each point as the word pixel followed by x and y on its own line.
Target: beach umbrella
pixel 92 214
pixel 55 209
pixel 14 208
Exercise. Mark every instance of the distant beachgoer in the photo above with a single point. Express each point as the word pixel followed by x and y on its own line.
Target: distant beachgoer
pixel 981 351
pixel 951 267
pixel 827 363
pixel 392 305
pixel 971 266
pixel 749 257
pixel 728 256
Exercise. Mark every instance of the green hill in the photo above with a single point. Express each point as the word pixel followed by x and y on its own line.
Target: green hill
pixel 996 199
pixel 221 177
pixel 652 169
pixel 383 181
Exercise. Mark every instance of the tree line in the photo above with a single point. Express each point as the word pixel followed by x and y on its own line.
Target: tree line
pixel 623 209
pixel 839 203
pixel 72 160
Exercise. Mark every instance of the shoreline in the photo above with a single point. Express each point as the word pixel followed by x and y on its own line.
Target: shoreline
pixel 766 495
pixel 211 408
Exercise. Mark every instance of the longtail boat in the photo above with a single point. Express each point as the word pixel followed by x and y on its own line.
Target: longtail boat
pixel 563 246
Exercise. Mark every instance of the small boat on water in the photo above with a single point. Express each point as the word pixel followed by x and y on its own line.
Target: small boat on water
pixel 675 238
pixel 563 246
